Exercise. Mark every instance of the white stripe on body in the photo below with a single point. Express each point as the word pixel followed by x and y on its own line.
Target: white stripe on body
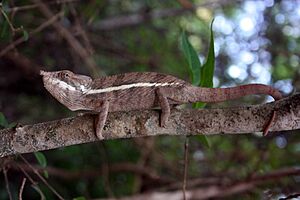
pixel 65 86
pixel 128 86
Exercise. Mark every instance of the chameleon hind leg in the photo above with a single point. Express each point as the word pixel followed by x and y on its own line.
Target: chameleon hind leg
pixel 167 96
pixel 164 105
pixel 101 119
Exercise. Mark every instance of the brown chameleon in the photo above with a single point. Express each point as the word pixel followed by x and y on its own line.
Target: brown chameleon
pixel 137 91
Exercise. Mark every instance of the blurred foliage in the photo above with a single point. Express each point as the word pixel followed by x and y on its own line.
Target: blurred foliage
pixel 267 53
pixel 4 123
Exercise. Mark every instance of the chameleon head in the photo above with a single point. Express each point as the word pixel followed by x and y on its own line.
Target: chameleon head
pixel 67 87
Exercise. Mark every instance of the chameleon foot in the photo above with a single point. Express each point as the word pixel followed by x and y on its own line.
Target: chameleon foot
pixel 165 107
pixel 98 128
pixel 269 124
pixel 101 119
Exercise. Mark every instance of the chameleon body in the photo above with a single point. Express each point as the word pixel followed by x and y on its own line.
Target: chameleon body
pixel 137 91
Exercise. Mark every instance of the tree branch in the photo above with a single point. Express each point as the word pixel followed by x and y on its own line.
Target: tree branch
pixel 219 190
pixel 92 173
pixel 77 130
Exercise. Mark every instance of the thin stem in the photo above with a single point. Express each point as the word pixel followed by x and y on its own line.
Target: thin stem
pixel 22 188
pixel 186 153
pixel 42 178
pixel 38 29
pixel 6 183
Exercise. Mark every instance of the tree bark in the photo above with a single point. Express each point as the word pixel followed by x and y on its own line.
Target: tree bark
pixel 77 130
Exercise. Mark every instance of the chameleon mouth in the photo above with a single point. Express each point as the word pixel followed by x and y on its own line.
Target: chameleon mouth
pixel 44 73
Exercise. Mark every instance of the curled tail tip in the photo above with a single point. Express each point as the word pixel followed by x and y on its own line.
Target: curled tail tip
pixel 277 95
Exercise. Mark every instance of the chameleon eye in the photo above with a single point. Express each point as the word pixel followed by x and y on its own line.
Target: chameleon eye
pixel 67 75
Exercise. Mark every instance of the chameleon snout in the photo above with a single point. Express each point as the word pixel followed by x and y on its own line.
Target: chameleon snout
pixel 43 73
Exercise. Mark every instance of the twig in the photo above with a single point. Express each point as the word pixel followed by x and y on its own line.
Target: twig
pixel 92 173
pixel 186 153
pixel 21 167
pixel 38 29
pixel 42 178
pixel 22 188
pixel 146 150
pixel 11 26
pixel 81 31
pixel 34 183
pixel 220 190
pixel 72 41
pixel 105 170
pixel 7 183
pixel 26 66
pixel 193 183
pixel 28 7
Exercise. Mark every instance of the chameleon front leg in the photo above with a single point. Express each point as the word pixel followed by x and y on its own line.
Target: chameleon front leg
pixel 101 119
pixel 164 105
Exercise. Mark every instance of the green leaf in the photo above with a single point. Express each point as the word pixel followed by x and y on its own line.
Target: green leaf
pixel 79 198
pixel 203 140
pixel 25 35
pixel 12 125
pixel 207 70
pixel 41 158
pixel 192 58
pixel 3 121
pixel 207 75
pixel 46 175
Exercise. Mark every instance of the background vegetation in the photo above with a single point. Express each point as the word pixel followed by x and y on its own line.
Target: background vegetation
pixel 255 41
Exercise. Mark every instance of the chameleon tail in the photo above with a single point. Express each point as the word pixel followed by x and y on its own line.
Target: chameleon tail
pixel 224 94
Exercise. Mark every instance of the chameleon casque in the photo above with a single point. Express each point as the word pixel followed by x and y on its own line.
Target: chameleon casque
pixel 137 91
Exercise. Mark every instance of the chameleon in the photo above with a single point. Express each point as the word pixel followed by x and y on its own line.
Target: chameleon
pixel 137 91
